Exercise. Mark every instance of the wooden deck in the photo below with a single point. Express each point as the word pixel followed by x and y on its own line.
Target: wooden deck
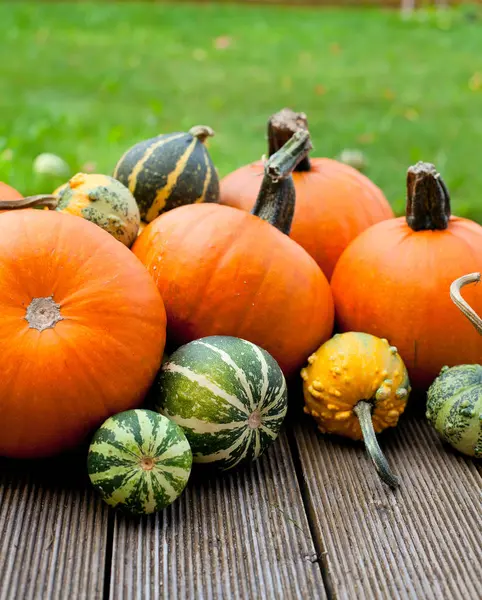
pixel 309 520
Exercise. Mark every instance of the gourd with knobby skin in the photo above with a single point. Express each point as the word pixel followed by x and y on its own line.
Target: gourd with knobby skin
pixel 228 395
pixel 334 201
pixel 96 198
pixel 222 271
pixel 139 461
pixel 82 330
pixel 393 280
pixel 454 400
pixel 168 171
pixel 356 385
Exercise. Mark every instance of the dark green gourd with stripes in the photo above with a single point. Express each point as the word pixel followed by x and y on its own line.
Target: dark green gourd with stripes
pixel 228 395
pixel 169 171
pixel 139 461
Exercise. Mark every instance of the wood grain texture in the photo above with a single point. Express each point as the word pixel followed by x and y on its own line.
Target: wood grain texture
pixel 53 534
pixel 239 535
pixel 423 541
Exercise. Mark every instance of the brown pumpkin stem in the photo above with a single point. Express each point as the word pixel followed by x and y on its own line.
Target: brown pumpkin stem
pixel 40 201
pixel 281 128
pixel 428 200
pixel 462 305
pixel 201 132
pixel 363 411
pixel 276 198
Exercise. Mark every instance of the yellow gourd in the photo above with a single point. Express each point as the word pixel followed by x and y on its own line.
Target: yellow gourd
pixel 356 385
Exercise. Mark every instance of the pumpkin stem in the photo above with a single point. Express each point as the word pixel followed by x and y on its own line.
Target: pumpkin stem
pixel 428 200
pixel 461 304
pixel 201 132
pixel 276 198
pixel 281 128
pixel 40 201
pixel 363 411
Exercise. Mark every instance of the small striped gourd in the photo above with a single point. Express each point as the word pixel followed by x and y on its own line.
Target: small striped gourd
pixel 228 395
pixel 454 400
pixel 139 461
pixel 169 171
pixel 104 201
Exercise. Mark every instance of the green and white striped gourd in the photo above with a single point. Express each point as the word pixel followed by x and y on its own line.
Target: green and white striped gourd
pixel 454 408
pixel 228 395
pixel 139 461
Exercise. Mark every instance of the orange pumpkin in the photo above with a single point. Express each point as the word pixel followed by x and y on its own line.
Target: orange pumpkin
pixel 224 271
pixel 334 201
pixel 9 193
pixel 393 281
pixel 82 331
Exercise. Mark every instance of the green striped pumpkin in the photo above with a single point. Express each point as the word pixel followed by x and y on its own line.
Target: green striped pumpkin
pixel 228 395
pixel 139 461
pixel 169 171
pixel 454 408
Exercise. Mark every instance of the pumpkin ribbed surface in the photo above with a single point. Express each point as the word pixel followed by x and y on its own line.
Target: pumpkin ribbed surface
pixel 168 171
pixel 228 395
pixel 139 461
pixel 454 407
pixel 334 204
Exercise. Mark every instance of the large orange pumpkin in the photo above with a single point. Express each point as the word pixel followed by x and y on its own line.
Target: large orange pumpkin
pixel 82 331
pixel 9 193
pixel 394 281
pixel 224 271
pixel 334 202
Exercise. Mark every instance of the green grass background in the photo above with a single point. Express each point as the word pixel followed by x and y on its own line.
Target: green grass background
pixel 86 81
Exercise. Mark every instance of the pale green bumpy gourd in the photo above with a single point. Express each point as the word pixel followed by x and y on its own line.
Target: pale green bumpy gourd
pixel 454 402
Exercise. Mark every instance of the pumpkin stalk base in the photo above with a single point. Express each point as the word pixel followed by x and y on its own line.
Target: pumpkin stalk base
pixel 276 198
pixel 281 128
pixel 43 313
pixel 428 200
pixel 201 132
pixel 363 411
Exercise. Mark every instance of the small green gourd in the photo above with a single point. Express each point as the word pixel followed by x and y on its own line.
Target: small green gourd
pixel 454 401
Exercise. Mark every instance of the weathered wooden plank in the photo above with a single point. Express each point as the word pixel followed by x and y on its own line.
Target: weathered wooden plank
pixel 239 535
pixel 422 541
pixel 53 532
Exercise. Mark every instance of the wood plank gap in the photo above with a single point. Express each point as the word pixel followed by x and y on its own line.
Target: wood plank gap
pixel 309 510
pixel 109 547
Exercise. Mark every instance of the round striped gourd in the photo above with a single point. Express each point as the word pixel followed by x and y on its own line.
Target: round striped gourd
pixel 228 395
pixel 104 201
pixel 454 408
pixel 169 171
pixel 139 461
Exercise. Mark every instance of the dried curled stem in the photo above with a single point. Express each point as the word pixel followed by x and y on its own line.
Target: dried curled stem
pixel 462 305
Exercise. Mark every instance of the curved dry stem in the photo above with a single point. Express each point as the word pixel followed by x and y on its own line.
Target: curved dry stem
pixel 463 305
pixel 39 201
pixel 363 411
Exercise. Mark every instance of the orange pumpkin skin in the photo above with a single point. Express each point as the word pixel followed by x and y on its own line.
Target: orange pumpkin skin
pixel 222 271
pixel 394 282
pixel 9 193
pixel 60 382
pixel 334 204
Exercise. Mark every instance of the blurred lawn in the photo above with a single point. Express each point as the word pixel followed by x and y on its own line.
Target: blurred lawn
pixel 86 81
